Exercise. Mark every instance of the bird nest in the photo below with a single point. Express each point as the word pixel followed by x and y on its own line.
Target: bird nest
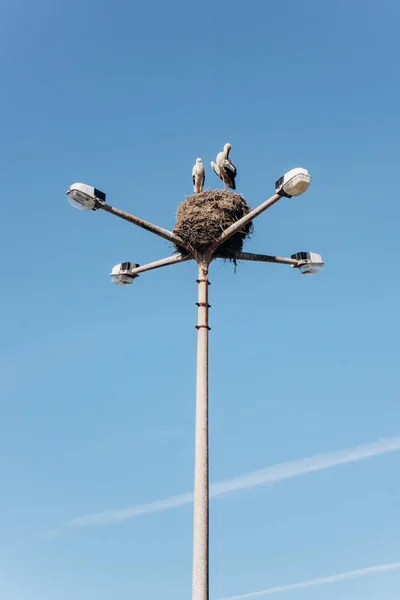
pixel 202 218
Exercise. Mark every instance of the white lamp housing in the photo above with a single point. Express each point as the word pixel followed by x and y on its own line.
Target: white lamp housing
pixel 293 183
pixel 122 274
pixel 85 197
pixel 309 263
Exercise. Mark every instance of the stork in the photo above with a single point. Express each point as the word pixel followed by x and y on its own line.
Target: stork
pixel 198 176
pixel 224 168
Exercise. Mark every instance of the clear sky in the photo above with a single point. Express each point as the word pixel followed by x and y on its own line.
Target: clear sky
pixel 97 382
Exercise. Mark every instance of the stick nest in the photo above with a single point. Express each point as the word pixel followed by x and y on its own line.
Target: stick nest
pixel 202 218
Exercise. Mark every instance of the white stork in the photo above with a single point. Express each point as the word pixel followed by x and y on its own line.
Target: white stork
pixel 224 168
pixel 198 176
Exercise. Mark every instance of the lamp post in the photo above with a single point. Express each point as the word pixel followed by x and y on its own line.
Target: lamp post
pixel 293 183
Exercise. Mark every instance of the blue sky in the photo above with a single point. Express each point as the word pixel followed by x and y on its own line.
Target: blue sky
pixel 97 402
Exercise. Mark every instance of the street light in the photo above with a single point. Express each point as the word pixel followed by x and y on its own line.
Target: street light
pixel 308 263
pixel 85 197
pixel 293 183
pixel 122 274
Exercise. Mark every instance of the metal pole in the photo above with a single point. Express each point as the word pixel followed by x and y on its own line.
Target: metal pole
pixel 163 262
pixel 164 233
pixel 281 260
pixel 201 477
pixel 232 229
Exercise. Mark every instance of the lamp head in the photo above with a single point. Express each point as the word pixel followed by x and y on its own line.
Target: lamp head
pixel 85 197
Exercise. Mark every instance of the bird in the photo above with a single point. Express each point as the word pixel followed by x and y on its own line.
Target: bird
pixel 224 168
pixel 198 176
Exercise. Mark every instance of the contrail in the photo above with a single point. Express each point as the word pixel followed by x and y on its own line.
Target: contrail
pixel 273 474
pixel 320 581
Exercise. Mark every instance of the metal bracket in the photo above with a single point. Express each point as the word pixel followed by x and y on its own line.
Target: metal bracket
pixel 203 304
pixel 202 326
pixel 203 280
